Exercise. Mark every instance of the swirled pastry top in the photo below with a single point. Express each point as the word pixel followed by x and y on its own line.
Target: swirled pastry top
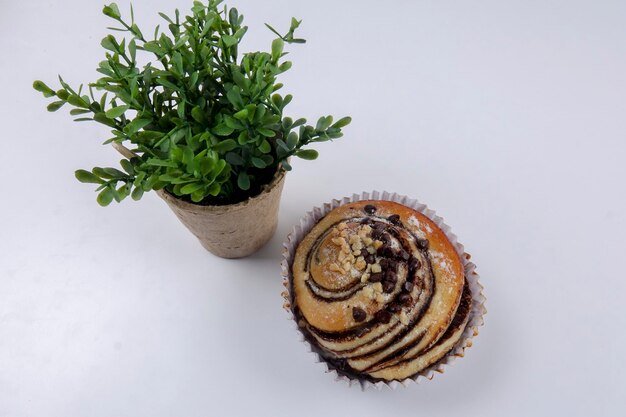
pixel 379 289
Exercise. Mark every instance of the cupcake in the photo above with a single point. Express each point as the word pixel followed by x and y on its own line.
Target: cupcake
pixel 379 291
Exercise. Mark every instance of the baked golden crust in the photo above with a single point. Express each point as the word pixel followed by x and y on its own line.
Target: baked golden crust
pixel 376 285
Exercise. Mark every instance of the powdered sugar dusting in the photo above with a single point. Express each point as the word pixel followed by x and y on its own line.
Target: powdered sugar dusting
pixel 441 261
pixel 419 227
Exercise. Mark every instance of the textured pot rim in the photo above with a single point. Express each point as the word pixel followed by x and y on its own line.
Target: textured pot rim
pixel 265 189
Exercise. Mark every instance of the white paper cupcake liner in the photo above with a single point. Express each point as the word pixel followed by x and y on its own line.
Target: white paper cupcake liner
pixel 478 300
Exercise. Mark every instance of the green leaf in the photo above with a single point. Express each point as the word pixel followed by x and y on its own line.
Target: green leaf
pixel 277 48
pixel 241 32
pixel 116 111
pixel 153 47
pixel 109 43
pixel 324 123
pixel 233 158
pixel 109 173
pixel 243 181
pixel 225 146
pixel 234 96
pixel 258 162
pixel 282 145
pixel 268 159
pixel 266 132
pixel 345 121
pixel 43 88
pixel 214 189
pixel 132 49
pixel 298 122
pixel 122 193
pixel 177 58
pixel 137 193
pixel 193 79
pixel 76 112
pixel 285 165
pixel 222 130
pixel 127 166
pixel 161 163
pixel 166 18
pixel 62 94
pixel 229 40
pixel 55 105
pixel 77 101
pixel 136 125
pixel 274 30
pixel 198 114
pixel 134 29
pixel 292 140
pixel 87 177
pixel 112 11
pixel 240 79
pixel 233 17
pixel 309 154
pixel 192 187
pixel 241 115
pixel 232 122
pixel 105 197
pixel 243 137
pixel 277 100
pixel 197 197
pixel 265 146
pixel 295 24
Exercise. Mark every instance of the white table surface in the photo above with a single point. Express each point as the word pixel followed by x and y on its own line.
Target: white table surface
pixel 507 117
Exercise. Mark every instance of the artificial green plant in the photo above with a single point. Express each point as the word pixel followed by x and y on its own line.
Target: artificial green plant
pixel 201 120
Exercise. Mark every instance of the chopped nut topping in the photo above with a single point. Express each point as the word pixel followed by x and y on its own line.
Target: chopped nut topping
pixel 368 241
pixel 369 292
pixel 345 248
pixel 335 268
pixel 360 263
pixel 354 239
pixel 376 268
pixel 371 250
pixel 341 256
pixel 377 287
pixel 347 267
pixel 365 277
pixel 341 226
pixel 380 298
pixel 377 244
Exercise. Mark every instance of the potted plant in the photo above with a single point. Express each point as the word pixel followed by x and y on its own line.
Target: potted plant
pixel 197 122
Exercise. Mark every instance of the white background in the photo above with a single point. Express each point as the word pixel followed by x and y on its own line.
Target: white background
pixel 507 117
